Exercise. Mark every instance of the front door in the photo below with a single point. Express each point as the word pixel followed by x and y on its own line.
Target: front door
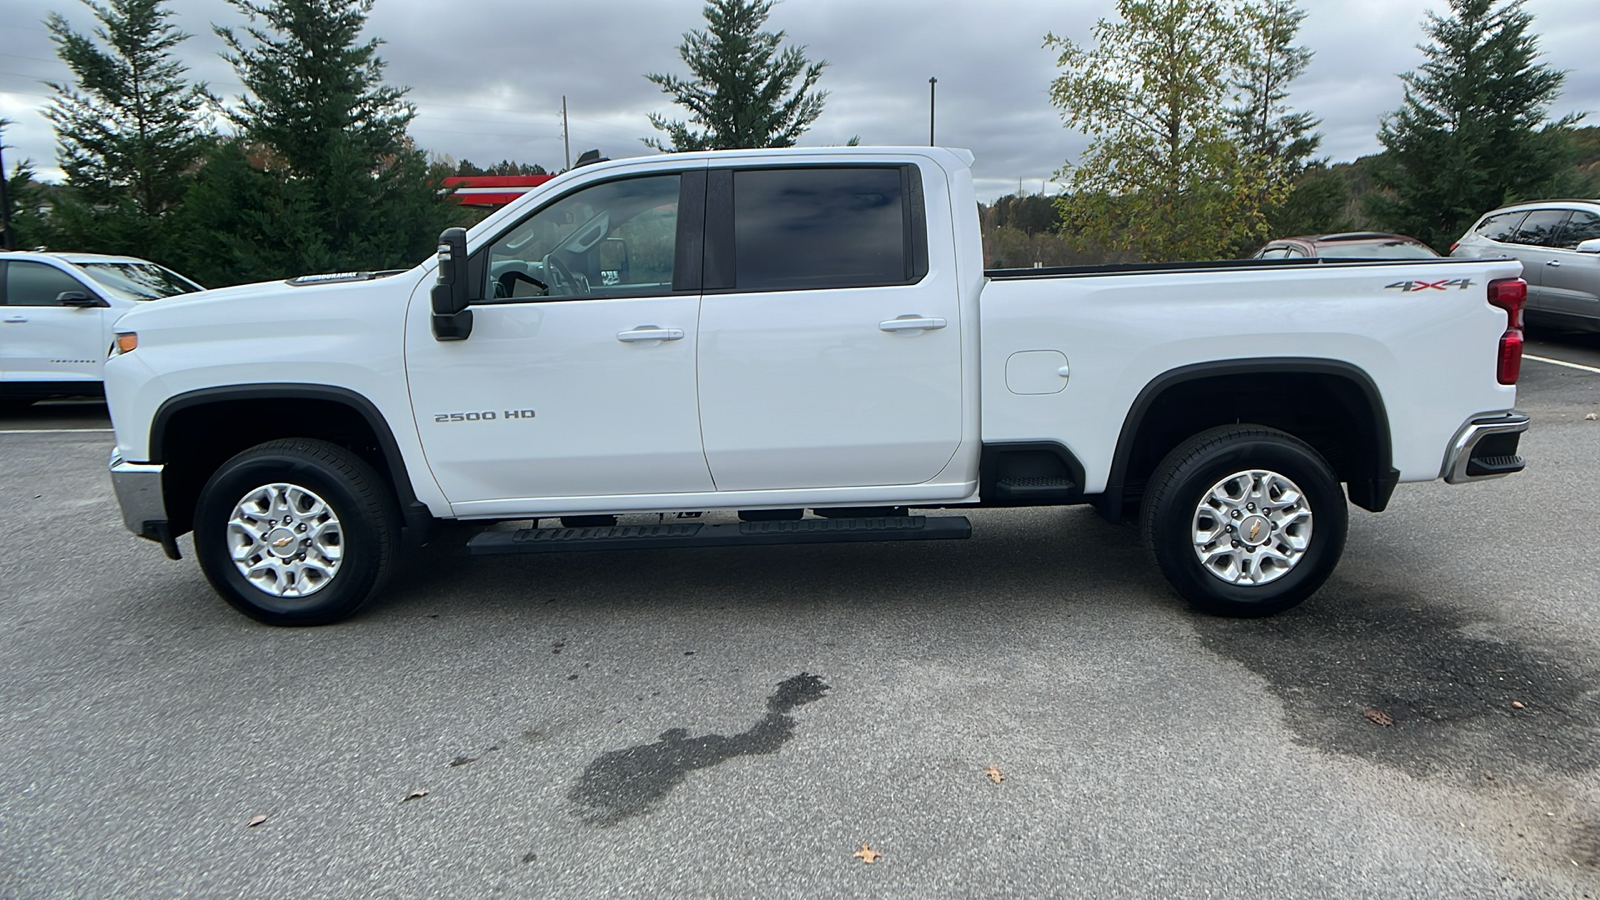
pixel 42 341
pixel 830 349
pixel 579 376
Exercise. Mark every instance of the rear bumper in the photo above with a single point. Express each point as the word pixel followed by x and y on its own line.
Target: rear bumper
pixel 144 509
pixel 1485 448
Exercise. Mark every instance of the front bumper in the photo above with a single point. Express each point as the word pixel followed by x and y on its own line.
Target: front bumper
pixel 1485 448
pixel 144 509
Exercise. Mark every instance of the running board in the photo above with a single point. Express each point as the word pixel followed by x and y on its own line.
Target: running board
pixel 697 534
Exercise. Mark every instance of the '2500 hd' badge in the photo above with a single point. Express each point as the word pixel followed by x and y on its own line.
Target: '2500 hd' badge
pixel 1445 284
pixel 487 415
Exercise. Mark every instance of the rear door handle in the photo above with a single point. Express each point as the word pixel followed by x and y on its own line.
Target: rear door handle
pixel 650 333
pixel 16 320
pixel 912 323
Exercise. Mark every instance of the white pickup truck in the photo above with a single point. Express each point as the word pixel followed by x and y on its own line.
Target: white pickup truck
pixel 776 332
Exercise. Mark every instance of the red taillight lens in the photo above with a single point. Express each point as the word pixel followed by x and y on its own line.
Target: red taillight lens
pixel 1454 246
pixel 1509 294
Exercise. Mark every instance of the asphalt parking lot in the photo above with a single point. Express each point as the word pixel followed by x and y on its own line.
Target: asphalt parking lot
pixel 737 723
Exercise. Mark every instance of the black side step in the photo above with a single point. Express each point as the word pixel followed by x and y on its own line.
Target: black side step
pixel 698 534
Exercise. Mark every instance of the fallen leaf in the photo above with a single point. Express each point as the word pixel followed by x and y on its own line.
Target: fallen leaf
pixel 416 794
pixel 1378 717
pixel 462 760
pixel 1591 417
pixel 866 854
pixel 994 775
pixel 256 820
pixel 1517 704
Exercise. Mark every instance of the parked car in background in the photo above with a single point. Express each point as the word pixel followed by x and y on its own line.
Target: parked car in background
pixel 1558 242
pixel 1353 245
pixel 56 313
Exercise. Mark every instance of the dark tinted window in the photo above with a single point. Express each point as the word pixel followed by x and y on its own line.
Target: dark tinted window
pixel 1501 227
pixel 802 228
pixel 1583 226
pixel 1540 227
pixel 36 284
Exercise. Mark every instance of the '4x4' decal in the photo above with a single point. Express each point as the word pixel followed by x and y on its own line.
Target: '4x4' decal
pixel 1444 284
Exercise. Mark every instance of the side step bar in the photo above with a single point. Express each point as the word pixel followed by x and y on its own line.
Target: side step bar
pixel 696 534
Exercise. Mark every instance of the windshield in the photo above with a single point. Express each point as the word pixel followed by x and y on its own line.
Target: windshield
pixel 1385 250
pixel 139 280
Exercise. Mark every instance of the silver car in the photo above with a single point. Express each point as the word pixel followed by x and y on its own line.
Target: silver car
pixel 1558 242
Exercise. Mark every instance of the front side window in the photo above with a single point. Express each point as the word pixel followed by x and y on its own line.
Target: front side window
pixel 616 239
pixel 37 284
pixel 812 227
pixel 1583 226
pixel 1539 228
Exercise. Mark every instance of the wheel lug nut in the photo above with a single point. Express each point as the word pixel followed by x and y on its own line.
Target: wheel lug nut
pixel 301 527
pixel 1236 514
pixel 1235 545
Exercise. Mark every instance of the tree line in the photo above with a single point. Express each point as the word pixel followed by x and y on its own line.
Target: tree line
pixel 1195 148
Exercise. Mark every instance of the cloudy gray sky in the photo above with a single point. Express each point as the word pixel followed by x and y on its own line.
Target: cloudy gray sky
pixel 488 77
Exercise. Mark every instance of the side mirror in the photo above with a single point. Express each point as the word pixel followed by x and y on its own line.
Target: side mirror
pixel 1590 246
pixel 84 301
pixel 452 321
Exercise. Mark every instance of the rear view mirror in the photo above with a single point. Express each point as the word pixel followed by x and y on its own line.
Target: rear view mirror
pixel 452 321
pixel 1590 246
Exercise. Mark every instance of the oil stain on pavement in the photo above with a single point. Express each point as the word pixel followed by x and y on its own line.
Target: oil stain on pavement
pixel 628 782
pixel 1461 702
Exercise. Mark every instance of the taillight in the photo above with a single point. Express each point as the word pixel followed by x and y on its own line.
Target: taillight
pixel 1454 246
pixel 1509 294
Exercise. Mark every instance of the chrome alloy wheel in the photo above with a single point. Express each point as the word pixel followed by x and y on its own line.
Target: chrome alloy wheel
pixel 1252 527
pixel 285 540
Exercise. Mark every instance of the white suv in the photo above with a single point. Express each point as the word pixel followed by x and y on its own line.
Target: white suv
pixel 1558 243
pixel 56 313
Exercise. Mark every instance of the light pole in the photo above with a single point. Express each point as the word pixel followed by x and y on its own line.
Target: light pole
pixel 931 83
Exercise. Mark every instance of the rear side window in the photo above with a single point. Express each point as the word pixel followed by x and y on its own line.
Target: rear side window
pixel 1583 226
pixel 808 227
pixel 1501 227
pixel 1539 228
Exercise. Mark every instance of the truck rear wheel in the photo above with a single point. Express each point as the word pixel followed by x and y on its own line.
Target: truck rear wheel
pixel 1245 521
pixel 296 532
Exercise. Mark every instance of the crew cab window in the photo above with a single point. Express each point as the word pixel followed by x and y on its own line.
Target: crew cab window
pixel 1583 226
pixel 37 284
pixel 1539 228
pixel 614 239
pixel 811 227
pixel 1501 227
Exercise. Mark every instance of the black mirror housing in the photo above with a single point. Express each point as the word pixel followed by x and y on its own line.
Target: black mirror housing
pixel 452 321
pixel 80 300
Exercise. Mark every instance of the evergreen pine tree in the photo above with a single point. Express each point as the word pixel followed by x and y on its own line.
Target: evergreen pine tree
pixel 1262 123
pixel 324 175
pixel 742 89
pixel 129 130
pixel 1473 132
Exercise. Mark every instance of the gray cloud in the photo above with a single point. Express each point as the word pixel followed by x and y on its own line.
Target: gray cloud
pixel 488 78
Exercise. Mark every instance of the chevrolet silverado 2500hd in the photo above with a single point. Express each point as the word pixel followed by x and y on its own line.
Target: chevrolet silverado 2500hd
pixel 772 332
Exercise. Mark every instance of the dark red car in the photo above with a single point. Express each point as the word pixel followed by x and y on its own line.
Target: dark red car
pixel 1354 245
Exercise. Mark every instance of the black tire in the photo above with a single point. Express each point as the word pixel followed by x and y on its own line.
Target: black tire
pixel 367 534
pixel 1185 478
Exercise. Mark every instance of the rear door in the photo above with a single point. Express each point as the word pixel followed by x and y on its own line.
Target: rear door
pixel 830 348
pixel 42 341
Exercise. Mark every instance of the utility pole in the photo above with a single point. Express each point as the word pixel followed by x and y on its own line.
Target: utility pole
pixel 931 83
pixel 566 137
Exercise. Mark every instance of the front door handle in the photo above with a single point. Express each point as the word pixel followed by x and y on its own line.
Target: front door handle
pixel 16 320
pixel 912 323
pixel 1554 262
pixel 650 333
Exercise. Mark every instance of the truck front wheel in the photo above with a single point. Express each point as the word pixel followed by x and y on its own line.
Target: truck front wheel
pixel 296 532
pixel 1245 521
